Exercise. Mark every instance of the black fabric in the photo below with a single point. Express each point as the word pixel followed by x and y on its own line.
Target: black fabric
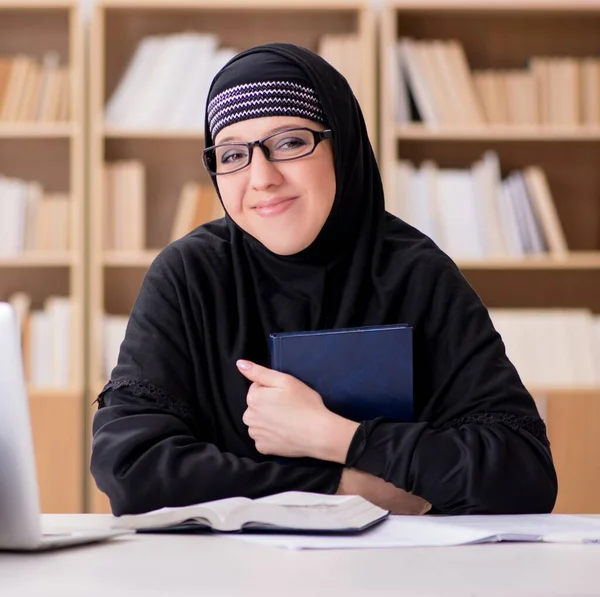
pixel 478 444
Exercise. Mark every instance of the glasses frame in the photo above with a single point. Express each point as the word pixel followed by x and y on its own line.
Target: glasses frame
pixel 318 136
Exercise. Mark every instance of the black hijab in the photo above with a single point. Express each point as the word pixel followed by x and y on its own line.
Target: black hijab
pixel 329 283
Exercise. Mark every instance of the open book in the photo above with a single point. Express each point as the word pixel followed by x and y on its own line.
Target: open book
pixel 293 511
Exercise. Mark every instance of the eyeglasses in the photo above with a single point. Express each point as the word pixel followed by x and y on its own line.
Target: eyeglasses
pixel 283 146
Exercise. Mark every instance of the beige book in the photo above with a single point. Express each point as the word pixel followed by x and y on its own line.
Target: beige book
pixel 218 211
pixel 63 113
pixel 521 98
pixel 571 89
pixel 462 73
pixel 590 91
pixel 136 184
pixel 491 92
pixel 437 82
pixel 286 512
pixel 6 64
pixel 185 214
pixel 545 210
pixel 50 106
pixel 58 209
pixel 50 86
pixel 31 90
pixel 487 209
pixel 14 92
pixel 108 208
pixel 21 303
pixel 540 69
pixel 35 194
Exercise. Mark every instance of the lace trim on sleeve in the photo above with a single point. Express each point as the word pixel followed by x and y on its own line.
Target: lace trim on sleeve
pixel 156 395
pixel 533 425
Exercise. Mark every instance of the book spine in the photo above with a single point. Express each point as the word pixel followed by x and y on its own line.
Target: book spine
pixel 275 353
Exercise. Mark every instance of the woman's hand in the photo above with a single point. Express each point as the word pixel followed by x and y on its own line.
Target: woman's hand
pixel 287 418
pixel 381 493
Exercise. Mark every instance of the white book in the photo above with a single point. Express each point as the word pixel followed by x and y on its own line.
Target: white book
pixel 59 312
pixel 194 86
pixel 458 214
pixel 217 62
pixel 41 346
pixel 439 531
pixel 113 334
pixel 289 511
pixel 127 95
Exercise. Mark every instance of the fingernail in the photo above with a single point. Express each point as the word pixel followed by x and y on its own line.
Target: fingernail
pixel 245 365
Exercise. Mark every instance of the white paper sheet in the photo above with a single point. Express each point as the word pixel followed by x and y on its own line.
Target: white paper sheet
pixel 437 531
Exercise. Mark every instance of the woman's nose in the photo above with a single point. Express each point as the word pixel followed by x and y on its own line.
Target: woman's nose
pixel 263 174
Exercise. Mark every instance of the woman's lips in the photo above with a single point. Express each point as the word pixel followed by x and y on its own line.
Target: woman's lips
pixel 274 207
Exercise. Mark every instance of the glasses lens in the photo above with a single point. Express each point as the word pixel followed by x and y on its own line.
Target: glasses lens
pixel 290 144
pixel 228 158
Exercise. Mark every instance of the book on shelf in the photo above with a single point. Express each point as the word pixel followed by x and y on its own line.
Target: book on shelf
pixel 113 333
pixel 551 348
pixel 46 339
pixel 161 64
pixel 437 87
pixel 34 91
pixel 343 51
pixel 187 62
pixel 292 511
pixel 125 205
pixel 32 219
pixel 197 204
pixel 474 213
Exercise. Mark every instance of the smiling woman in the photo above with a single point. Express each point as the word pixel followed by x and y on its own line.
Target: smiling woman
pixel 192 413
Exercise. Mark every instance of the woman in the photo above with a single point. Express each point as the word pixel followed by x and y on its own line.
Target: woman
pixel 192 413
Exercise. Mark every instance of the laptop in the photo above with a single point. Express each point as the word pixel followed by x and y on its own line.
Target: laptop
pixel 20 519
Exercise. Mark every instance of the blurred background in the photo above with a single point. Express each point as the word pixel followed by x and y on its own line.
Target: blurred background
pixel 485 118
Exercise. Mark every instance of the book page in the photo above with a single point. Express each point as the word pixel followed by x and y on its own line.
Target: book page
pixel 439 531
pixel 214 513
pixel 528 526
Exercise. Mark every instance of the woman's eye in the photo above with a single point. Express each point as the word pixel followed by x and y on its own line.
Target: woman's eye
pixel 290 143
pixel 230 157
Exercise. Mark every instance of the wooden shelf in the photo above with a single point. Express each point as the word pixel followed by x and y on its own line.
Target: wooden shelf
pixel 574 261
pixel 55 393
pixel 419 132
pixel 493 5
pixel 126 259
pixel 51 154
pixel 33 130
pixel 37 4
pixel 38 260
pixel 234 4
pixel 567 393
pixel 119 133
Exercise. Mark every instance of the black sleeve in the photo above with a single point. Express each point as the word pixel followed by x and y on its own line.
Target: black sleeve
pixel 147 452
pixel 478 444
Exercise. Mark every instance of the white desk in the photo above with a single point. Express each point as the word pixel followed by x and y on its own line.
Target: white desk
pixel 215 566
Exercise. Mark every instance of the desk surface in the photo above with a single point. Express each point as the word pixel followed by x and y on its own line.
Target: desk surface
pixel 163 565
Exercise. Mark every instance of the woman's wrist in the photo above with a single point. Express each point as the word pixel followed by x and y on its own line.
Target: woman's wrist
pixel 334 438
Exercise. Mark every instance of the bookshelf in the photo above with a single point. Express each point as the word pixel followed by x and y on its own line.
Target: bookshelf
pixel 172 156
pixel 51 154
pixel 502 36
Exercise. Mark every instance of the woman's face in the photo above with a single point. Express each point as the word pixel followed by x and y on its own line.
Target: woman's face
pixel 282 204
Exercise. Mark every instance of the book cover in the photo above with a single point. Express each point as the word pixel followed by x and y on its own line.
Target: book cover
pixel 361 373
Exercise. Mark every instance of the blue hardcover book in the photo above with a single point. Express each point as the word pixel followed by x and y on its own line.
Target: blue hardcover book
pixel 361 373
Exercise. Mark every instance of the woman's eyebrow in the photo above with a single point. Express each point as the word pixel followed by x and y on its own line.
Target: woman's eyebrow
pixel 266 134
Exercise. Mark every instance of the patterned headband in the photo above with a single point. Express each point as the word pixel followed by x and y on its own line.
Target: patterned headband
pixel 266 98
